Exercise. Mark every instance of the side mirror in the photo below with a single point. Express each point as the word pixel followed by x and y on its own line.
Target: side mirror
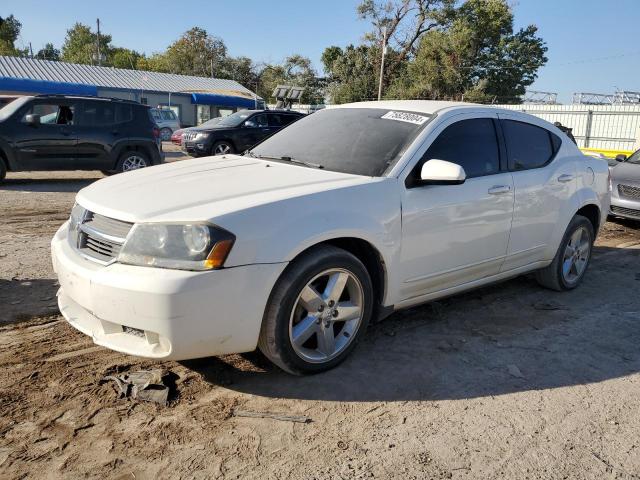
pixel 441 172
pixel 621 158
pixel 32 119
pixel 250 124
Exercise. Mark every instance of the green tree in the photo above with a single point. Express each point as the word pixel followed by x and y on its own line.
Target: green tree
pixel 124 58
pixel 240 69
pixel 9 33
pixel 81 45
pixel 194 53
pixel 478 56
pixel 49 52
pixel 351 72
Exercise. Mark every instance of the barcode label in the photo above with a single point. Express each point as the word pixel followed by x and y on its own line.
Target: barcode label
pixel 405 117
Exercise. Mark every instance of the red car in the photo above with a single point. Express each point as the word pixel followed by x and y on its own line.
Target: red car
pixel 176 137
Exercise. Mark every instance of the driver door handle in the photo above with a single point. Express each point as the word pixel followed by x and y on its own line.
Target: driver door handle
pixel 565 178
pixel 499 189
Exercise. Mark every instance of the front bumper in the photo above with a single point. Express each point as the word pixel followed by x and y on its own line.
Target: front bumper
pixel 161 313
pixel 624 206
pixel 196 148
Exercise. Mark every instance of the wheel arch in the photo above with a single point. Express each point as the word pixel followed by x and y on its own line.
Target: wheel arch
pixel 372 259
pixel 592 213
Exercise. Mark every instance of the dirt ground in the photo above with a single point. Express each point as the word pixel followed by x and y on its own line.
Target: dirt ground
pixel 510 381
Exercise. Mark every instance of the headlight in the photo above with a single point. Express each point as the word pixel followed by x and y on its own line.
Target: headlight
pixel 194 246
pixel 202 136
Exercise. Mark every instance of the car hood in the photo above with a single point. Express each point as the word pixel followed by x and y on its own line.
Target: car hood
pixel 626 171
pixel 202 189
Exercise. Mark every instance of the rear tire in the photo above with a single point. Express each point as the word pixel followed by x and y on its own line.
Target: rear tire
pixel 318 310
pixel 3 169
pixel 132 160
pixel 572 258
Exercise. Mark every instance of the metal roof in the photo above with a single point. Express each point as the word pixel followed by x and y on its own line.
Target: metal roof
pixel 109 77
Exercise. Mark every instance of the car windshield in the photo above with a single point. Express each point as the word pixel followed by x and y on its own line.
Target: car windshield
pixel 361 141
pixel 210 123
pixel 634 158
pixel 235 119
pixel 11 108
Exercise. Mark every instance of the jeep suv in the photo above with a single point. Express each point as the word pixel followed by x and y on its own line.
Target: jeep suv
pixel 236 132
pixel 59 132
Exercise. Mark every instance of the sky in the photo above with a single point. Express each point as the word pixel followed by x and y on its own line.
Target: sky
pixel 592 44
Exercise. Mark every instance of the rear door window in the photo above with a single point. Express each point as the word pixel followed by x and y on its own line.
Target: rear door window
pixel 98 114
pixel 472 144
pixel 167 115
pixel 528 146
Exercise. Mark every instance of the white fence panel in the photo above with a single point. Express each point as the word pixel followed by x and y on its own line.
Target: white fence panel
pixel 608 127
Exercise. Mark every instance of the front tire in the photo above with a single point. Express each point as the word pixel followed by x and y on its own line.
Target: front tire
pixel 222 148
pixel 572 258
pixel 318 310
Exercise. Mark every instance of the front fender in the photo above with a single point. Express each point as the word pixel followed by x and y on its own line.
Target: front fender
pixel 281 230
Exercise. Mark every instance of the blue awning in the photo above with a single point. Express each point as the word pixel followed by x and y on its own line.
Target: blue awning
pixel 28 85
pixel 222 100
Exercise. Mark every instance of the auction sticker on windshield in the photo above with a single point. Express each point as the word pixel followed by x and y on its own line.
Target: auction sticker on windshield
pixel 405 117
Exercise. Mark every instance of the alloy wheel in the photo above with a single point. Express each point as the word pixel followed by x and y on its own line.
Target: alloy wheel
pixel 133 162
pixel 326 315
pixel 576 255
pixel 222 149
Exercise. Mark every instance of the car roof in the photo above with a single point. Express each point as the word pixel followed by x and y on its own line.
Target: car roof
pixel 88 97
pixel 419 106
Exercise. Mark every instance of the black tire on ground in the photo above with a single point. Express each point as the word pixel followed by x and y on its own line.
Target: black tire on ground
pixel 165 134
pixel 275 342
pixel 3 169
pixel 222 148
pixel 132 160
pixel 552 276
pixel 107 173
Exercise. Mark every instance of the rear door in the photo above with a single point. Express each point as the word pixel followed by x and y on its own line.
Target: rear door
pixel 253 130
pixel 542 186
pixel 101 127
pixel 51 145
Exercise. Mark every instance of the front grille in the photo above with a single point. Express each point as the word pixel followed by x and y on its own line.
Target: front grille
pixel 100 237
pixel 629 191
pixel 627 212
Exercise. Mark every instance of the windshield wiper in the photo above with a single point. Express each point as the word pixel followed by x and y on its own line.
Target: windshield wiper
pixel 285 158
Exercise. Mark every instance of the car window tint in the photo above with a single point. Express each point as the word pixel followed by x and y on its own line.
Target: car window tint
pixel 275 120
pixel 528 146
pixel 472 144
pixel 124 113
pixel 52 113
pixel 166 115
pixel 287 119
pixel 260 120
pixel 156 114
pixel 98 113
pixel 363 141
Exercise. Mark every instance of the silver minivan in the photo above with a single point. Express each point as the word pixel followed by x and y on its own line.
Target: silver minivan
pixel 167 122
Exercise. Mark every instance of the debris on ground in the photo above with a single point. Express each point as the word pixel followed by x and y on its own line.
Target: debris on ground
pixel 147 385
pixel 274 416
pixel 550 305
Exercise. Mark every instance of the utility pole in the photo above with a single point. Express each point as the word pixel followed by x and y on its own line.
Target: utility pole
pixel 99 57
pixel 384 52
pixel 31 49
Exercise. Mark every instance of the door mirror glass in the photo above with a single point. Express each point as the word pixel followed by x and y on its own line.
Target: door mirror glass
pixel 621 158
pixel 32 119
pixel 441 172
pixel 250 124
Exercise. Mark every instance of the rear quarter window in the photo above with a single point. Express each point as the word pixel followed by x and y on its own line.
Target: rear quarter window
pixel 528 146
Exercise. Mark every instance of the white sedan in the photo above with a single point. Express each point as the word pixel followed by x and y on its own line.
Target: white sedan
pixel 343 217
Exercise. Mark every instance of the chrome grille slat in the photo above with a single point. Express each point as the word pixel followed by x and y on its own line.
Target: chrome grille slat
pixel 100 238
pixel 629 212
pixel 629 191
